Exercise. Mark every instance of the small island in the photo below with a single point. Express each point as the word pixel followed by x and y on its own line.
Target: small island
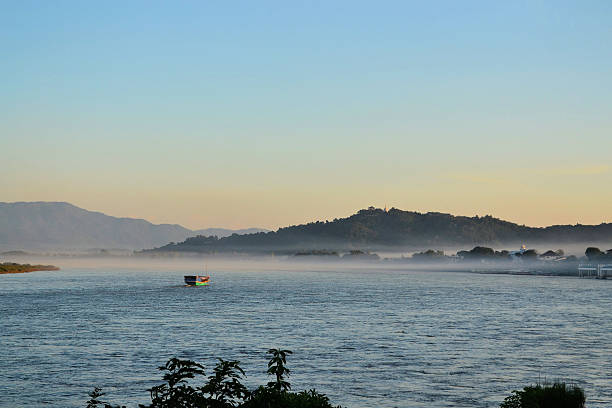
pixel 10 267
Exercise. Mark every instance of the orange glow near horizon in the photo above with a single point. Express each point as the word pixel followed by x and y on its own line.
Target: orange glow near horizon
pixel 271 210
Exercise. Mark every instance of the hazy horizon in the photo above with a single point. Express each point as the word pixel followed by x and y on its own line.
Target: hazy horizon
pixel 256 227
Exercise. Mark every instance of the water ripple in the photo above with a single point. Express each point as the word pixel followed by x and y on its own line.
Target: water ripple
pixel 403 339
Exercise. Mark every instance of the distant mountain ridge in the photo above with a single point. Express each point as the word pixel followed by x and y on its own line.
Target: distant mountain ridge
pixel 60 226
pixel 374 228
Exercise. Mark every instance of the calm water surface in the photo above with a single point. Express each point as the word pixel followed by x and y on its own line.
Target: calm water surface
pixel 366 338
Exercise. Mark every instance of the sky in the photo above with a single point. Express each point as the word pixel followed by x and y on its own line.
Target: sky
pixel 266 114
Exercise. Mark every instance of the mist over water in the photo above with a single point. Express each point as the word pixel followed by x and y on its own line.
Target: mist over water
pixel 367 335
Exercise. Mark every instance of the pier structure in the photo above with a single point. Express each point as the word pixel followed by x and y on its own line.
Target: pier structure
pixel 599 271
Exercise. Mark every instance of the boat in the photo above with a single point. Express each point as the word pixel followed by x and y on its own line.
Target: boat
pixel 197 280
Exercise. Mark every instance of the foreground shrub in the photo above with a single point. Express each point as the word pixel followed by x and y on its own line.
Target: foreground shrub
pixel 557 395
pixel 265 397
pixel 224 388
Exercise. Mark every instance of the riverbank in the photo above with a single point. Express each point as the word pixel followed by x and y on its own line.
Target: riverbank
pixel 11 267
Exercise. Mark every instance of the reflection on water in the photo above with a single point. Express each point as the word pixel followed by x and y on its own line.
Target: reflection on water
pixel 366 338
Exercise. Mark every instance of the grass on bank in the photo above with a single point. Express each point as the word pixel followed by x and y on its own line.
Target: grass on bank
pixel 11 267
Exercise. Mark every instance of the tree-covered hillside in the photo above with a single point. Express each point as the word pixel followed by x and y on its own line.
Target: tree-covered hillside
pixel 375 228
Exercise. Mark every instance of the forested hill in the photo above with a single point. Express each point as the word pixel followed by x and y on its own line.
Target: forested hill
pixel 374 228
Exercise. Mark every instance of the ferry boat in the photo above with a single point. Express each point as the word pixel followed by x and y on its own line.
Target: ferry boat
pixel 196 280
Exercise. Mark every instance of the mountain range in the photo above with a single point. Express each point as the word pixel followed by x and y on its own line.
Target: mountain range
pixel 376 229
pixel 63 226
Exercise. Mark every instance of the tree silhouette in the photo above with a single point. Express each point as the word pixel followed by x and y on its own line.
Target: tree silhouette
pixel 224 388
pixel 277 367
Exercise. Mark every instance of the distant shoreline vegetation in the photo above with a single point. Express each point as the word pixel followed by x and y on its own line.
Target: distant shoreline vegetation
pixel 478 254
pixel 10 267
pixel 480 259
pixel 375 229
pixel 522 256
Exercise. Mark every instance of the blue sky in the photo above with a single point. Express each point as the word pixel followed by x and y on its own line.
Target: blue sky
pixel 272 113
